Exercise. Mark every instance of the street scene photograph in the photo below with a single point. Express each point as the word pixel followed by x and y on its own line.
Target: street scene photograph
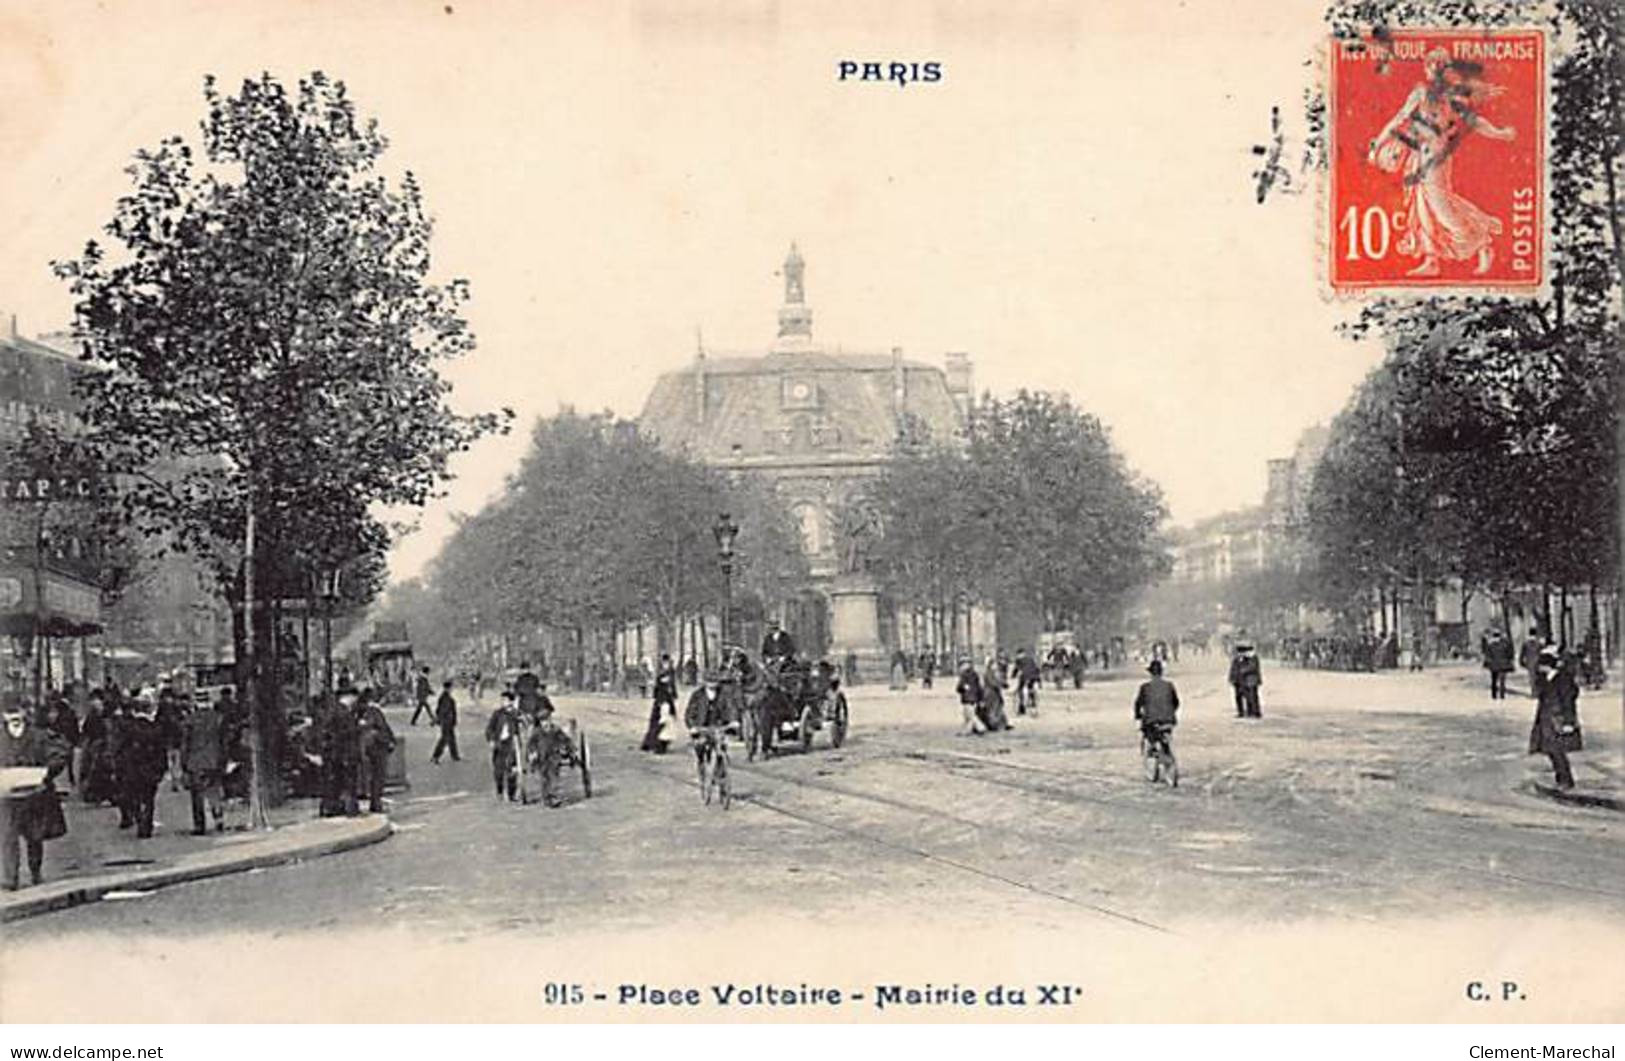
pixel 738 512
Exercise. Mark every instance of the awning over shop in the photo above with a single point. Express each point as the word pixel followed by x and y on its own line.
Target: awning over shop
pixel 61 607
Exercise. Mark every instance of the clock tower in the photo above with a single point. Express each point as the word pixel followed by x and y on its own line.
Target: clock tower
pixel 795 316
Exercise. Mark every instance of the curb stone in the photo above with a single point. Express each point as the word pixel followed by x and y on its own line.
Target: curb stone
pixel 294 843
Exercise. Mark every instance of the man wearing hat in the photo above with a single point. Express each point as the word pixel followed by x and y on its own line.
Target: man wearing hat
pixel 377 741
pixel 445 713
pixel 528 688
pixel 707 710
pixel 143 757
pixel 1556 731
pixel 778 645
pixel 420 693
pixel 1156 705
pixel 970 697
pixel 502 731
pixel 33 815
pixel 341 753
pixel 1246 675
pixel 203 765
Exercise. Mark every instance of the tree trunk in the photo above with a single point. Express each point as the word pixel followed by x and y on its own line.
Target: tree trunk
pixel 257 817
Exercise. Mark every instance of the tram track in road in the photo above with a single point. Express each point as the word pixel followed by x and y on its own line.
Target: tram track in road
pixel 899 846
pixel 1334 824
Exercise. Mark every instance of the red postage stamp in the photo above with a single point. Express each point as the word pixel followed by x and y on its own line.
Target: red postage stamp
pixel 1438 160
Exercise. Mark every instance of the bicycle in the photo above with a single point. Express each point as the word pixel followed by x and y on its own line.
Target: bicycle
pixel 711 746
pixel 1027 698
pixel 1157 749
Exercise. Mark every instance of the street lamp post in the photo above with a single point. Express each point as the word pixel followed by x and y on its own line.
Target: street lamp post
pixel 330 596
pixel 725 532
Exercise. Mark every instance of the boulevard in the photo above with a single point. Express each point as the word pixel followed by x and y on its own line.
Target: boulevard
pixel 1358 798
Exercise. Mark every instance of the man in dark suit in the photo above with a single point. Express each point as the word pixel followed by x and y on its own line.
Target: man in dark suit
pixel 421 690
pixel 203 764
pixel 1246 675
pixel 778 645
pixel 445 714
pixel 528 688
pixel 377 741
pixel 143 758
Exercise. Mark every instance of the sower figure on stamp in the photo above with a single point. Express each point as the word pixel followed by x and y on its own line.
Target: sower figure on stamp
pixel 34 814
pixel 1419 143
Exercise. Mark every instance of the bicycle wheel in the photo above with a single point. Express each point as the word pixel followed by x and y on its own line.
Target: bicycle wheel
pixel 1170 769
pixel 725 787
pixel 584 755
pixel 1148 754
pixel 707 778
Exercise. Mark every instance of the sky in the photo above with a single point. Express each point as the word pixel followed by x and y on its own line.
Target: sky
pixel 1072 203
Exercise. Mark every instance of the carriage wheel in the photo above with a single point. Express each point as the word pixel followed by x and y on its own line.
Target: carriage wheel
pixel 806 728
pixel 837 733
pixel 750 731
pixel 585 754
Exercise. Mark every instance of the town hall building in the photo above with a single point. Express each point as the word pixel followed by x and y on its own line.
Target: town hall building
pixel 817 423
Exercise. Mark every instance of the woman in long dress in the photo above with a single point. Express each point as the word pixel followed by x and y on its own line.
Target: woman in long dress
pixel 1419 142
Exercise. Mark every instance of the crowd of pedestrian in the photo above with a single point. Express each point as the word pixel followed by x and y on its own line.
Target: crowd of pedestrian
pixel 113 747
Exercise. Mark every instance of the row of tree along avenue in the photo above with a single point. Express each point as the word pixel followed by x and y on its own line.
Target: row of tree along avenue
pixel 599 530
pixel 1483 452
pixel 1485 449
pixel 265 340
pixel 1034 505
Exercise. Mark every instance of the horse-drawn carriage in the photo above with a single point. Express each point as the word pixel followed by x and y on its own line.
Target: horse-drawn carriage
pixel 797 699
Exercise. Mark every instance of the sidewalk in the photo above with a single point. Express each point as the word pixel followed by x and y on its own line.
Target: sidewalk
pixel 97 858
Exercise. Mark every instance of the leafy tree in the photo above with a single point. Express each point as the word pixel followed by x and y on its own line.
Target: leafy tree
pixel 599 529
pixel 1037 505
pixel 1506 469
pixel 271 342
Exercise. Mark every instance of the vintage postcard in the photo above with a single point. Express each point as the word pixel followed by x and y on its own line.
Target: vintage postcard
pixel 739 511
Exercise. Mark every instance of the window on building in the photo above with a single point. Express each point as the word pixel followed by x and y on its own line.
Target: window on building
pixel 811 521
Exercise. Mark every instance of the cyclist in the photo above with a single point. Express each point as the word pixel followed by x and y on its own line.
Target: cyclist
pixel 707 712
pixel 1156 707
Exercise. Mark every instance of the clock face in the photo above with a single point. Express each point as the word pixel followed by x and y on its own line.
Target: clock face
pixel 801 391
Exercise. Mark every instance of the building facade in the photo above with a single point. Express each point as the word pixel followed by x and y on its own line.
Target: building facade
pixel 1270 535
pixel 53 570
pixel 817 422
